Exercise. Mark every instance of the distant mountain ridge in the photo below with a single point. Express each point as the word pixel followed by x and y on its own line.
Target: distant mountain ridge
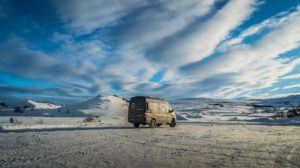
pixel 37 105
pixel 292 100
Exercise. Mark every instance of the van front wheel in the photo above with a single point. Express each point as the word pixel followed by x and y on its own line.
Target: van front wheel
pixel 136 125
pixel 173 123
pixel 152 123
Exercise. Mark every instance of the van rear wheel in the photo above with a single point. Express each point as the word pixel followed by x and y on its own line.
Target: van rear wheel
pixel 173 123
pixel 136 125
pixel 152 123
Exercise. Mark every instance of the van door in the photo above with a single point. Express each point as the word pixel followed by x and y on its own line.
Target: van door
pixel 137 109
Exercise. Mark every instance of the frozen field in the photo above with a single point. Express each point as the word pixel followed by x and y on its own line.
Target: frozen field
pixel 187 145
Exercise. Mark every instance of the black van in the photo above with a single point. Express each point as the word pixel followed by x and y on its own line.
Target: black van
pixel 152 111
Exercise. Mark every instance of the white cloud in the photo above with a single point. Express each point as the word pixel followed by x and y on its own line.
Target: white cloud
pixel 275 89
pixel 70 68
pixel 281 40
pixel 199 20
pixel 293 76
pixel 254 66
pixel 237 71
pixel 87 16
pixel 270 23
pixel 154 24
pixel 191 37
pixel 292 86
pixel 200 40
pixel 120 70
pixel 79 49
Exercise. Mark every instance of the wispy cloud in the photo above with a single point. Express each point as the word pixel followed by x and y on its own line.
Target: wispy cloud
pixel 86 17
pixel 201 38
pixel 255 65
pixel 293 76
pixel 267 24
pixel 292 86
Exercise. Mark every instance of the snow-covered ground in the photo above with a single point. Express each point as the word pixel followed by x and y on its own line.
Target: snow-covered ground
pixel 186 145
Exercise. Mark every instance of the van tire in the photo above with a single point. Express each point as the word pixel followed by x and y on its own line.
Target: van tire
pixel 173 123
pixel 152 123
pixel 158 125
pixel 136 125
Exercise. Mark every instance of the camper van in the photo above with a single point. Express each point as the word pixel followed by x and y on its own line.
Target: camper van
pixel 148 110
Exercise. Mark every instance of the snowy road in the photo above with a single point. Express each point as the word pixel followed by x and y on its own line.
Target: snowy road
pixel 187 145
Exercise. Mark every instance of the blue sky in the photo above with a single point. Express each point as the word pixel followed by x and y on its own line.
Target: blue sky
pixel 69 50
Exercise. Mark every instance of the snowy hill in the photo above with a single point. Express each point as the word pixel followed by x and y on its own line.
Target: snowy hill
pixel 31 108
pixel 109 107
pixel 36 105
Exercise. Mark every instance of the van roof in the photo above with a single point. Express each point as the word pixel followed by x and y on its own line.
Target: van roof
pixel 149 97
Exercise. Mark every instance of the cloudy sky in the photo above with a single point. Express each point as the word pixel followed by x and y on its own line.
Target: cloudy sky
pixel 70 50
